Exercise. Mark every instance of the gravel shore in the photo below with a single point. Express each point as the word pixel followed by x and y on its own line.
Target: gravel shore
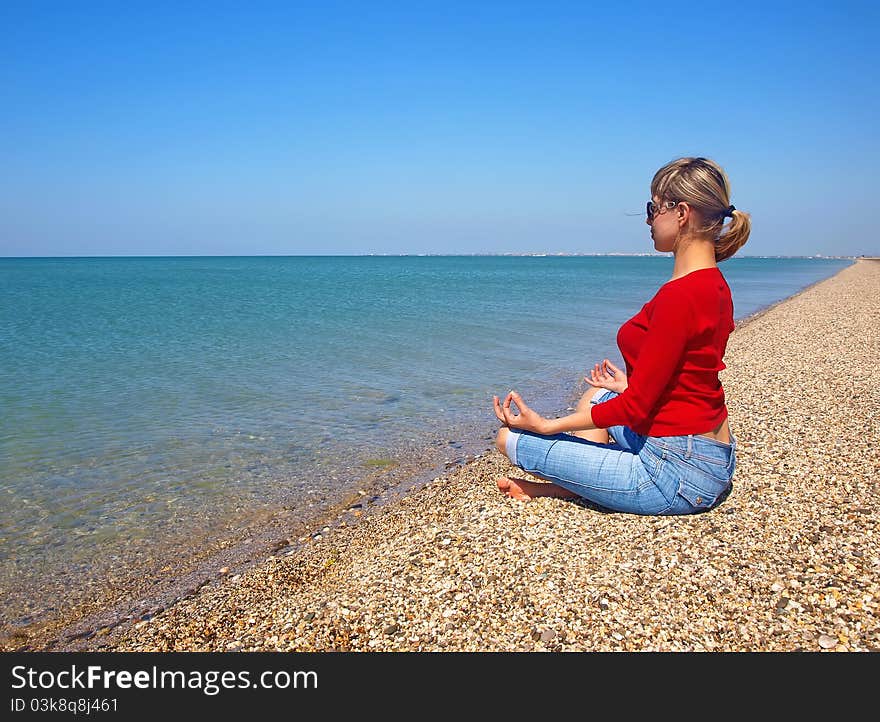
pixel 790 561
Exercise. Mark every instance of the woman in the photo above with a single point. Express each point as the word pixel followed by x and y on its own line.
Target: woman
pixel 673 452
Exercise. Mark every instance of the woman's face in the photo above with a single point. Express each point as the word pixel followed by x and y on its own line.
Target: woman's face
pixel 664 226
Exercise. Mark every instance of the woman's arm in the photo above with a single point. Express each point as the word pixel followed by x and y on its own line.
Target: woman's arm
pixel 530 420
pixel 578 421
pixel 659 361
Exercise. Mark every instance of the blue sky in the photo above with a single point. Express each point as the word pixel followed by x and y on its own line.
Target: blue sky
pixel 442 127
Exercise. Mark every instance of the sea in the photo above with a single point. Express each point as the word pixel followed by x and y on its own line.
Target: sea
pixel 155 411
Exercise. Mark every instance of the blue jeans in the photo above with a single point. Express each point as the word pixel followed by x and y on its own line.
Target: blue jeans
pixel 638 475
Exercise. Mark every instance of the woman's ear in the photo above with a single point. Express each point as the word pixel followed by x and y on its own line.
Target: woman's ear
pixel 684 213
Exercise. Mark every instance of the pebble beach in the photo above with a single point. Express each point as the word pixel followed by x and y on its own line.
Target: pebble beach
pixel 789 562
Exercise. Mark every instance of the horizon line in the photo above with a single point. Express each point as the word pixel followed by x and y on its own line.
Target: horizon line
pixel 534 254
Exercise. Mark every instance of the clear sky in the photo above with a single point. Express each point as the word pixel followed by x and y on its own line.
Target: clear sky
pixel 428 127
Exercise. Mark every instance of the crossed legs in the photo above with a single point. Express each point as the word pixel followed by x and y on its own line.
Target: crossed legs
pixel 523 489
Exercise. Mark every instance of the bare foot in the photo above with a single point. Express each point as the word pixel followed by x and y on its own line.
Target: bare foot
pixel 512 488
pixel 523 490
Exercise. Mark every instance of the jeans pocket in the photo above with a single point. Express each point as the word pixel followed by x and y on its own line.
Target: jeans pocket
pixel 701 489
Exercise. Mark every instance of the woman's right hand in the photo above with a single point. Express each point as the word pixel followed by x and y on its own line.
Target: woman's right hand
pixel 607 376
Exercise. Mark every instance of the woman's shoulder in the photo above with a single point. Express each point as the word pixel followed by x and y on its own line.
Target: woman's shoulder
pixel 698 290
pixel 699 283
pixel 696 277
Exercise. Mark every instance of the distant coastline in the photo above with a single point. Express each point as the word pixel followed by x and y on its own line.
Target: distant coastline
pixel 518 254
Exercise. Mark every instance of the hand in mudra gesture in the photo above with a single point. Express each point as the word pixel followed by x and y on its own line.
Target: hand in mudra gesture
pixel 607 376
pixel 527 419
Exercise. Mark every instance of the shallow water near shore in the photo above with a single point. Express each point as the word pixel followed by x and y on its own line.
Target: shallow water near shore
pixel 156 409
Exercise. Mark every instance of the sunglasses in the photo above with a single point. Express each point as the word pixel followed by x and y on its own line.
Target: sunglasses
pixel 651 209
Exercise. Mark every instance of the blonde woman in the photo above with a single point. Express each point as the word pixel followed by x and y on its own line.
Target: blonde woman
pixel 673 452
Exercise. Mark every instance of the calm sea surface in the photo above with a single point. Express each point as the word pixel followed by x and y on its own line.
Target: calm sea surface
pixel 149 405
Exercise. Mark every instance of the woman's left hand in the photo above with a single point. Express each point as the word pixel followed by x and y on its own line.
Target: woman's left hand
pixel 526 419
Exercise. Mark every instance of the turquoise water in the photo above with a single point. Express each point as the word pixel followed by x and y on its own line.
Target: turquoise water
pixel 149 404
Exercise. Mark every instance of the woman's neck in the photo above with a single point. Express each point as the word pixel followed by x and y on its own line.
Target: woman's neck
pixel 692 255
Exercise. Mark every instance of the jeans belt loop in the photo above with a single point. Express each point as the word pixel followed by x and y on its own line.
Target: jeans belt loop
pixel 690 448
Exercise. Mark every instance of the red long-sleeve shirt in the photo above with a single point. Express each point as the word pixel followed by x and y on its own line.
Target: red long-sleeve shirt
pixel 673 350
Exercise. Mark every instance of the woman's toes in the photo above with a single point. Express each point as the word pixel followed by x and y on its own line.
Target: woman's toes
pixel 512 489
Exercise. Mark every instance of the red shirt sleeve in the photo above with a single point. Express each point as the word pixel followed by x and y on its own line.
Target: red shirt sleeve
pixel 659 362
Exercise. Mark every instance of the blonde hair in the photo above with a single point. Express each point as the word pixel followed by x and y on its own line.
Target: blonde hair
pixel 703 185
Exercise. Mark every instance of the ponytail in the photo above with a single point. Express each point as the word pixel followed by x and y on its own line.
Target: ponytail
pixel 734 236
